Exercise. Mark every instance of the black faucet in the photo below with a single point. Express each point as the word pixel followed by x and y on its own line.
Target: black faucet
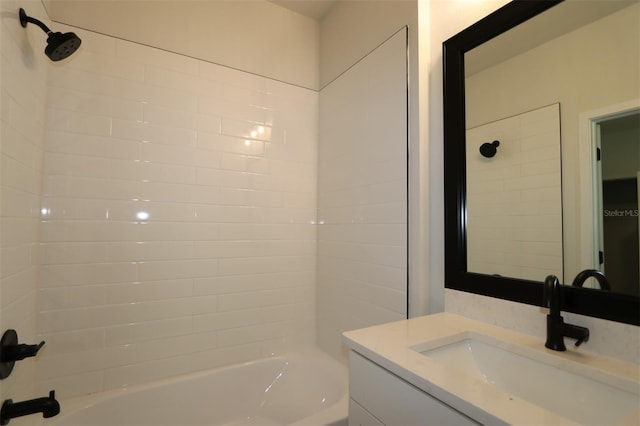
pixel 557 330
pixel 48 406
pixel 591 273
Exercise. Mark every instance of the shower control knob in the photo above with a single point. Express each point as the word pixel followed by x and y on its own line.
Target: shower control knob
pixel 20 352
pixel 11 351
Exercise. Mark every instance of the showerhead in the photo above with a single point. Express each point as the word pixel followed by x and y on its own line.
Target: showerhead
pixel 59 45
pixel 488 150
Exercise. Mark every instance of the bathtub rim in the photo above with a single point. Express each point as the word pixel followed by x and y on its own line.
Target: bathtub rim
pixel 333 414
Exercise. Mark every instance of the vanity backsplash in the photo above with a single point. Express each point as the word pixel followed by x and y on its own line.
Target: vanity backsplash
pixel 608 338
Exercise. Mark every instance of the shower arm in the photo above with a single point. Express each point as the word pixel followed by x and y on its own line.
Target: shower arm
pixel 24 19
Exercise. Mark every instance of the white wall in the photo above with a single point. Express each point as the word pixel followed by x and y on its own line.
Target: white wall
pixel 362 196
pixel 23 71
pixel 439 20
pixel 223 269
pixel 609 338
pixel 251 35
pixel 348 32
pixel 352 29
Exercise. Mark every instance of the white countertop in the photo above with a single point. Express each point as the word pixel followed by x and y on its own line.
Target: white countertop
pixel 390 346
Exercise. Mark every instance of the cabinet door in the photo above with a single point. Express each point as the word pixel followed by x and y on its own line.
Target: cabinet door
pixel 395 402
pixel 358 416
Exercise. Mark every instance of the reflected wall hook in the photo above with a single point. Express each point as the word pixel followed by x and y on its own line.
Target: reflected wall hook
pixel 489 149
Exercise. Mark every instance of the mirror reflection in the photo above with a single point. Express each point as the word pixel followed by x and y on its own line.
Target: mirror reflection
pixel 553 146
pixel 618 140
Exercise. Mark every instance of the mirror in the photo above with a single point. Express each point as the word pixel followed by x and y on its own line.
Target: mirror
pixel 493 77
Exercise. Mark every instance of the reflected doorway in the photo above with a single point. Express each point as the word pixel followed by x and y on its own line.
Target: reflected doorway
pixel 619 169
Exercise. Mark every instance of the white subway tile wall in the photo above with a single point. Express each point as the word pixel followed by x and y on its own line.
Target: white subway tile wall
pixel 514 210
pixel 362 196
pixel 178 217
pixel 23 71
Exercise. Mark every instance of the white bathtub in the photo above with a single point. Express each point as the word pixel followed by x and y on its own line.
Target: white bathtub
pixel 306 388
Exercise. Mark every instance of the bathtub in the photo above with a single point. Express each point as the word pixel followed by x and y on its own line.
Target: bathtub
pixel 305 388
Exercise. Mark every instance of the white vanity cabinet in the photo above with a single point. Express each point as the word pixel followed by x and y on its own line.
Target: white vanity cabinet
pixel 379 397
pixel 444 369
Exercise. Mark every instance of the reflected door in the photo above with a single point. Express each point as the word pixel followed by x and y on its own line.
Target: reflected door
pixel 620 167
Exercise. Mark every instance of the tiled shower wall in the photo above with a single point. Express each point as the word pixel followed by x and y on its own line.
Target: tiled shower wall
pixel 22 115
pixel 362 196
pixel 514 199
pixel 178 217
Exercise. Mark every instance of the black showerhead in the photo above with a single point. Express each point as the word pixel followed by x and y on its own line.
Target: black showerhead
pixel 59 45
pixel 489 149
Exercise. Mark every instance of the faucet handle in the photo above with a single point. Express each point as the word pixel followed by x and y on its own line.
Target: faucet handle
pixel 22 351
pixel 11 351
pixel 580 334
pixel 584 336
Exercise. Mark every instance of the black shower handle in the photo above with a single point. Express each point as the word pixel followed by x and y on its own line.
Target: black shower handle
pixel 11 351
pixel 20 352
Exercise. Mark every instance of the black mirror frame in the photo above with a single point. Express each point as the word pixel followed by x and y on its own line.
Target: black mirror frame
pixel 595 303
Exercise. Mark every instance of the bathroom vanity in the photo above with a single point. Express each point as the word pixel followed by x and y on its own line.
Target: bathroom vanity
pixel 444 369
pixel 378 397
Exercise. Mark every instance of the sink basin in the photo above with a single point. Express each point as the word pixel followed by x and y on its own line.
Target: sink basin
pixel 566 388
